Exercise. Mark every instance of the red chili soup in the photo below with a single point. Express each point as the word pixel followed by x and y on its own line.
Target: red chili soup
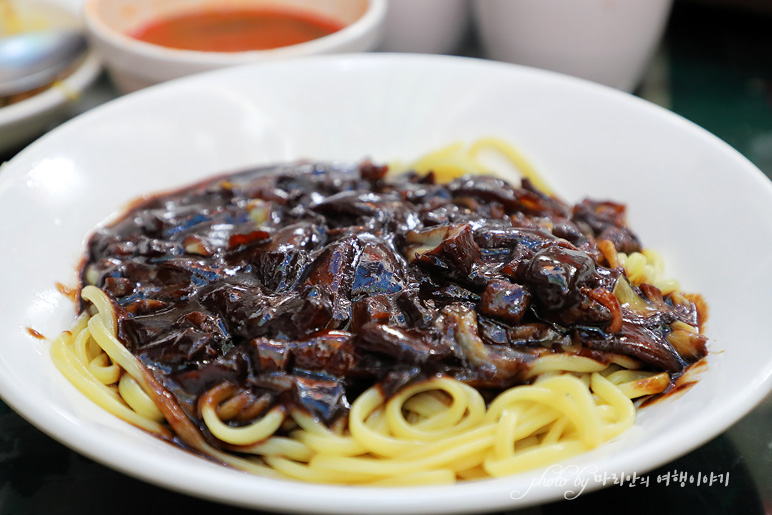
pixel 237 30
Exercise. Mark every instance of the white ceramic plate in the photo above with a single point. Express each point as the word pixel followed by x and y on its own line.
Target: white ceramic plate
pixel 690 196
pixel 23 121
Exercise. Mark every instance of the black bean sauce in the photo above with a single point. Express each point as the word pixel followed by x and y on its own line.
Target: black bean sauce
pixel 305 284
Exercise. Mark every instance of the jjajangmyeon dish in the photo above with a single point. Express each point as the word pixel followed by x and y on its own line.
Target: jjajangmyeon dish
pixel 336 323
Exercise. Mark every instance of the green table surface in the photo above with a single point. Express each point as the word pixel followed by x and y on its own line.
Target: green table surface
pixel 715 69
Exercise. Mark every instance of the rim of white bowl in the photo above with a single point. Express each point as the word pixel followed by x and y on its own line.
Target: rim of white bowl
pixel 370 20
pixel 66 90
pixel 427 499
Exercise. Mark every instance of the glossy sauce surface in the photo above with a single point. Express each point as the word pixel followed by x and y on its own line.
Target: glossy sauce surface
pixel 302 285
pixel 237 30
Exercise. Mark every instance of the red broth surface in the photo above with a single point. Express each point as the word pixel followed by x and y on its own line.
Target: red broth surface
pixel 236 30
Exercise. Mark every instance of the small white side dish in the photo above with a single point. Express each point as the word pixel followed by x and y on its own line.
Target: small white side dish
pixel 23 121
pixel 586 140
pixel 609 42
pixel 134 64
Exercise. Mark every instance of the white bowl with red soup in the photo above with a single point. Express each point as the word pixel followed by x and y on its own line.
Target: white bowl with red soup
pixel 144 42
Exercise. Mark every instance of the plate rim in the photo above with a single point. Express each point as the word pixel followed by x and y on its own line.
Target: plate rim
pixel 750 399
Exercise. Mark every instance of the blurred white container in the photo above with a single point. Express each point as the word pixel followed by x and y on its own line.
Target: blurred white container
pixel 134 64
pixel 23 121
pixel 606 41
pixel 425 26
